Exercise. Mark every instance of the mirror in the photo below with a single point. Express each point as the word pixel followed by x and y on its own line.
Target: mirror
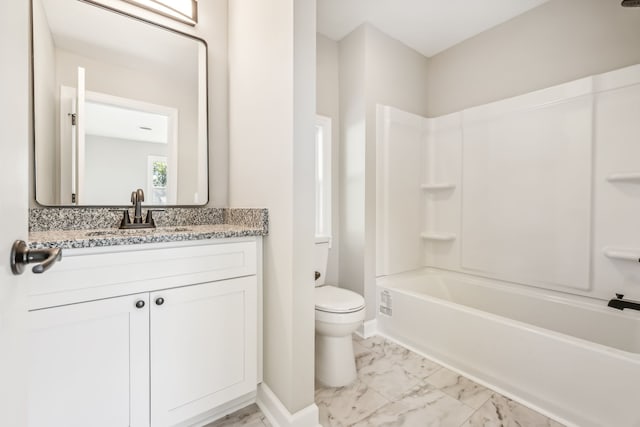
pixel 118 104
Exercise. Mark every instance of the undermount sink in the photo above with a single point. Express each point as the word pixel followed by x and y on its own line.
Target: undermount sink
pixel 111 233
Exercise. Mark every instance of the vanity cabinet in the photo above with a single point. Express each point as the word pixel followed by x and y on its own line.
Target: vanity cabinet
pixel 202 352
pixel 165 356
pixel 89 364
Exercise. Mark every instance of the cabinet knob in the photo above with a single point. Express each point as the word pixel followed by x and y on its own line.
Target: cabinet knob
pixel 139 304
pixel 159 301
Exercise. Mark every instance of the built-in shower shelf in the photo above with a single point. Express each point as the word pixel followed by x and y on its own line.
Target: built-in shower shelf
pixel 438 186
pixel 622 253
pixel 443 237
pixel 624 177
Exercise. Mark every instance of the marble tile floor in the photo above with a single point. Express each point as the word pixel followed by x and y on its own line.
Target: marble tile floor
pixel 251 416
pixel 397 387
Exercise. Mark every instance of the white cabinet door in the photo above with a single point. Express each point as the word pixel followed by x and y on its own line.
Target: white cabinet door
pixel 89 364
pixel 203 348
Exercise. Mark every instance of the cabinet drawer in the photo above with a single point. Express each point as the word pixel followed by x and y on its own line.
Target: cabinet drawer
pixel 84 275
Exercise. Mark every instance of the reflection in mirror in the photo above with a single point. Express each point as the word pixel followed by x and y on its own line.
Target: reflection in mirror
pixel 181 10
pixel 119 104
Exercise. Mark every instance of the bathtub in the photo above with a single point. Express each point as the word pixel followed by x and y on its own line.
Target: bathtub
pixel 571 358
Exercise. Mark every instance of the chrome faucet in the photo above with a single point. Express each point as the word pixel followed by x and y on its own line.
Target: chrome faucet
pixel 137 197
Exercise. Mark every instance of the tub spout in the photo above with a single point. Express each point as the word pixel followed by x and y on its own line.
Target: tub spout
pixel 620 303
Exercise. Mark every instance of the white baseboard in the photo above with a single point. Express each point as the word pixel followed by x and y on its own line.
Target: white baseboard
pixel 220 411
pixel 368 329
pixel 279 416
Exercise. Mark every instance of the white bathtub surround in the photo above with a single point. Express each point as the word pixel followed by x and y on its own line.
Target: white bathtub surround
pixel 398 387
pixel 566 356
pixel 539 190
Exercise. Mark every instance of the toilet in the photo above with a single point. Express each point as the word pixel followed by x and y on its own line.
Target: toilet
pixel 339 312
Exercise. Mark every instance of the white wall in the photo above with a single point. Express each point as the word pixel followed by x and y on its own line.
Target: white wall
pixel 271 114
pixel 394 76
pixel 105 178
pixel 352 160
pixel 328 105
pixel 374 69
pixel 211 27
pixel 560 41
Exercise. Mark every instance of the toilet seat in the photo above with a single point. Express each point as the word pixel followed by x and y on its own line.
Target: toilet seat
pixel 337 305
pixel 340 318
pixel 331 299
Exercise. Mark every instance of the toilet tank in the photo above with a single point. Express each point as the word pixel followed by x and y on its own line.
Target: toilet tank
pixel 321 258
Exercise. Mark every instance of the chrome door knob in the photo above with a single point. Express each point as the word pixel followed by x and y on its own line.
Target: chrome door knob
pixel 44 258
pixel 159 301
pixel 139 304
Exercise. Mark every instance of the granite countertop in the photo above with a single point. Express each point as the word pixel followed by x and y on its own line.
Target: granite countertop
pixel 68 239
pixel 70 228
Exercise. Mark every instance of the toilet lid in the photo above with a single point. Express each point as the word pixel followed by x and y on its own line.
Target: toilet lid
pixel 337 300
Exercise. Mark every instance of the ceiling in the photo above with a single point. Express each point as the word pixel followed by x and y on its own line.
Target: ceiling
pixel 428 26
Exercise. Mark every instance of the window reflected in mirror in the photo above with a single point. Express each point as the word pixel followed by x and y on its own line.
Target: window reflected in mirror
pixel 182 10
pixel 157 179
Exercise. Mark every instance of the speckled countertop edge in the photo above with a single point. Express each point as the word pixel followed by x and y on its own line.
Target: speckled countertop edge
pixel 76 239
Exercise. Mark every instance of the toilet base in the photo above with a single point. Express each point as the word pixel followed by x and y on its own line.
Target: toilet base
pixel 335 360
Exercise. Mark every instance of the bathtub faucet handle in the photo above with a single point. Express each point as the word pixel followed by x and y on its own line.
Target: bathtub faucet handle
pixel 621 303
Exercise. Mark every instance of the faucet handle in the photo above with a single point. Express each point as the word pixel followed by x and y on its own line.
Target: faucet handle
pixel 620 296
pixel 134 197
pixel 149 219
pixel 126 220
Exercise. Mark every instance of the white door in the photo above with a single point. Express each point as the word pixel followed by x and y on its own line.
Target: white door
pixel 203 348
pixel 79 140
pixel 89 364
pixel 14 193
